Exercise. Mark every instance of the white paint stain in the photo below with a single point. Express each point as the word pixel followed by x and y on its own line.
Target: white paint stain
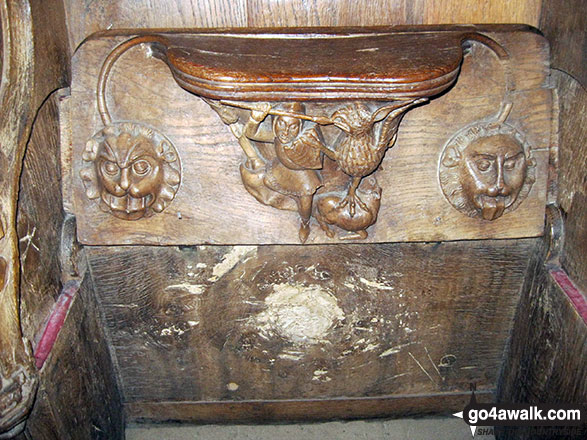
pixel 395 349
pixel 172 330
pixel 290 357
pixel 375 284
pixel 320 375
pixel 301 314
pixel 194 289
pixel 389 352
pixel 370 347
pixel 200 266
pixel 231 259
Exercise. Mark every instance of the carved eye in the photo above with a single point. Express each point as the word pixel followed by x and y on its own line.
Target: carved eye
pixel 483 164
pixel 141 167
pixel 110 168
pixel 510 164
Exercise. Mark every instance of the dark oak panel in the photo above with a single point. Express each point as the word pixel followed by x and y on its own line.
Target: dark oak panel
pixel 40 215
pixel 546 358
pixel 564 23
pixel 78 396
pixel 291 410
pixel 269 322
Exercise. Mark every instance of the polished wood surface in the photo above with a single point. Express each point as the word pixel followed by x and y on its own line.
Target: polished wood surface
pixel 338 65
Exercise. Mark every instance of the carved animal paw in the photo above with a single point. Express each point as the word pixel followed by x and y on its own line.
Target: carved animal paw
pixel 352 200
pixel 359 235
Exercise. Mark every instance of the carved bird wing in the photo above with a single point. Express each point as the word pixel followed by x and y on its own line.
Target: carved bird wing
pixel 390 125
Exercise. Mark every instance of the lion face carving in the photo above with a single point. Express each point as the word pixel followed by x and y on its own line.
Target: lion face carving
pixel 486 171
pixel 133 170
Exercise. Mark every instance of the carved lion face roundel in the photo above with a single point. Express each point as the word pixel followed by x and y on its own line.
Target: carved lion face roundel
pixel 132 169
pixel 486 171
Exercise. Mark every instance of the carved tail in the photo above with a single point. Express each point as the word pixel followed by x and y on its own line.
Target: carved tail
pixel 388 131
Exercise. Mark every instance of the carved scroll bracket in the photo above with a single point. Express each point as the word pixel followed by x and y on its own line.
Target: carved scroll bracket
pixel 132 169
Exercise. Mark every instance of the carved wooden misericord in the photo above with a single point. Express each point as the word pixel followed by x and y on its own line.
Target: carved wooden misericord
pixel 314 115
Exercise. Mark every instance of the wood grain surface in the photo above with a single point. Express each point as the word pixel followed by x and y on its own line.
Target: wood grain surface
pixel 85 17
pixel 572 182
pixel 336 65
pixel 212 206
pixel 33 65
pixel 564 24
pixel 298 410
pixel 218 323
pixel 78 395
pixel 547 351
pixel 40 215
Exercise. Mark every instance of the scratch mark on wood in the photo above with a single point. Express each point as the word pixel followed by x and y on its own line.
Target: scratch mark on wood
pixel 396 376
pixel 421 367
pixel 432 362
pixel 29 242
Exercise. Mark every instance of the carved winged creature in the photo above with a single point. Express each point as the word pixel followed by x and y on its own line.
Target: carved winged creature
pixel 360 149
pixel 293 173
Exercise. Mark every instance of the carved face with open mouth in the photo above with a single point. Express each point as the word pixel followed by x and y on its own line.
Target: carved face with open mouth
pixel 134 172
pixel 486 172
pixel 492 173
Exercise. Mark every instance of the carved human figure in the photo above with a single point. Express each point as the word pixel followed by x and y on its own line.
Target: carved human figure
pixel 133 170
pixel 292 173
pixel 488 176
